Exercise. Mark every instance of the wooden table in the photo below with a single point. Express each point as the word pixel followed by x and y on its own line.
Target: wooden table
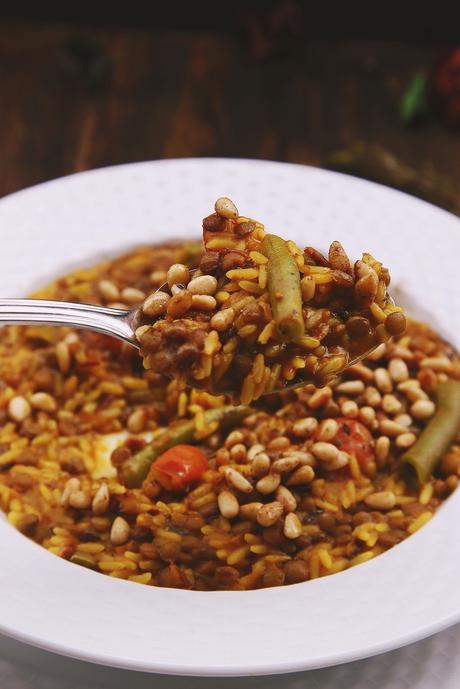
pixel 76 98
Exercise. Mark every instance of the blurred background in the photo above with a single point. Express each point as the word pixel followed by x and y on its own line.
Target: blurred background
pixel 376 96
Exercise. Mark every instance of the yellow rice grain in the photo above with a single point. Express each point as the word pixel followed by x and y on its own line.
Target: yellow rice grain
pixel 247 330
pixel 220 243
pixel 258 368
pixel 141 578
pixel 251 287
pixel 252 539
pixel 420 521
pixel 237 555
pixel 314 564
pixel 354 468
pixel 247 390
pixel 362 557
pixel 91 548
pixel 322 278
pixel 325 505
pixel 378 313
pixel 134 557
pixel 243 274
pixel 45 493
pixel 113 565
pixel 324 558
pixel 266 333
pixel 212 343
pixel 426 494
pixel 258 258
pixel 222 554
pixel 222 297
pixel 259 549
pixel 168 535
pixel 182 404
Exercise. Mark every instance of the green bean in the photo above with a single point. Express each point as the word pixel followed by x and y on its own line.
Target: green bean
pixel 137 467
pixel 439 433
pixel 283 281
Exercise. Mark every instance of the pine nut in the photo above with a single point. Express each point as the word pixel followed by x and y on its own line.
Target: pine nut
pixel 250 510
pixel 350 387
pixel 119 533
pixel 378 353
pixel 238 453
pixel 268 484
pixel 412 390
pixel 391 428
pixel 108 290
pixel 234 438
pixel 270 513
pixel 320 398
pixel 205 284
pixel 383 380
pixel 289 463
pixel 228 504
pixel 326 452
pixel 405 440
pixel 237 480
pixel 327 430
pixel 43 401
pixel 136 420
pixel 391 404
pixel 350 409
pixel 79 499
pixel 437 363
pixel 178 274
pixel 222 319
pixel 342 460
pixel 155 305
pixel 292 526
pixel 382 500
pixel 301 476
pixel 203 302
pixel 141 330
pixel 423 409
pixel 397 368
pixel 305 427
pixel 286 498
pixel 403 420
pixel 382 448
pixel 367 415
pixel 101 500
pixel 260 464
pixel 18 408
pixel 372 396
pixel 131 295
pixel 254 450
pixel 279 444
pixel 72 485
pixel 63 356
pixel 226 208
pixel 157 277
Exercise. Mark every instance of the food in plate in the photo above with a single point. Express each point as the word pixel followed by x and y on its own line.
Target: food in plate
pixel 121 470
pixel 261 314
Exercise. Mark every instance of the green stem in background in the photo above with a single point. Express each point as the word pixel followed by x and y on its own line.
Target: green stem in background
pixel 283 281
pixel 137 467
pixel 440 432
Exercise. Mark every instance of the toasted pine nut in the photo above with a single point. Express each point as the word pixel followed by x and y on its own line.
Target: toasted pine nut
pixel 178 274
pixel 423 409
pixel 18 408
pixel 405 440
pixel 305 427
pixel 391 404
pixel 367 415
pixel 288 463
pixel 250 510
pixel 205 284
pixel 222 319
pixel 268 484
pixel 397 368
pixel 108 290
pixel 301 476
pixel 155 304
pixel 382 500
pixel 270 513
pixel 382 448
pixel 119 533
pixel 43 401
pixel 350 409
pixel 351 387
pixel 101 500
pixel 372 396
pixel 72 485
pixel 391 428
pixel 237 480
pixel 327 430
pixel 320 397
pixel 203 302
pixel 238 453
pixel 136 420
pixel 131 295
pixel 226 208
pixel 326 452
pixel 228 504
pixel 260 464
pixel 286 498
pixel 79 499
pixel 383 380
pixel 233 438
pixel 292 526
pixel 63 356
pixel 254 450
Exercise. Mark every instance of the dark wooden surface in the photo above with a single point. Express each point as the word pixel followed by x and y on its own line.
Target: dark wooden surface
pixel 73 98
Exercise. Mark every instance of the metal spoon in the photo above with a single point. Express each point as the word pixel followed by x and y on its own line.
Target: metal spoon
pixel 116 322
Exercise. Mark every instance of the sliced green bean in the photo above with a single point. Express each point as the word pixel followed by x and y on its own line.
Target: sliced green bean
pixel 439 433
pixel 137 467
pixel 283 281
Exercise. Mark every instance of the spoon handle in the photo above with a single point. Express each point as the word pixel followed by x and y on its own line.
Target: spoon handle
pixel 116 322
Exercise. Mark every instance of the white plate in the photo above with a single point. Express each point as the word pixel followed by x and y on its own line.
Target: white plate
pixel 409 592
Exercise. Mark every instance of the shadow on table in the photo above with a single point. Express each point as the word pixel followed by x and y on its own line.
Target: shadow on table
pixel 434 662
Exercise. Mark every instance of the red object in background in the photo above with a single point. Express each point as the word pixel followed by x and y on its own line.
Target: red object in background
pixel 445 85
pixel 355 439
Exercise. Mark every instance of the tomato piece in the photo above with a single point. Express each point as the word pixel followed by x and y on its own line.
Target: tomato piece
pixel 179 467
pixel 355 439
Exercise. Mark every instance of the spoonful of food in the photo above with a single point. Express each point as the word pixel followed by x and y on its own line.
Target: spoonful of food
pixel 260 314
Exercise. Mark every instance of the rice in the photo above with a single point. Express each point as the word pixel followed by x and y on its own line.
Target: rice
pixel 202 539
